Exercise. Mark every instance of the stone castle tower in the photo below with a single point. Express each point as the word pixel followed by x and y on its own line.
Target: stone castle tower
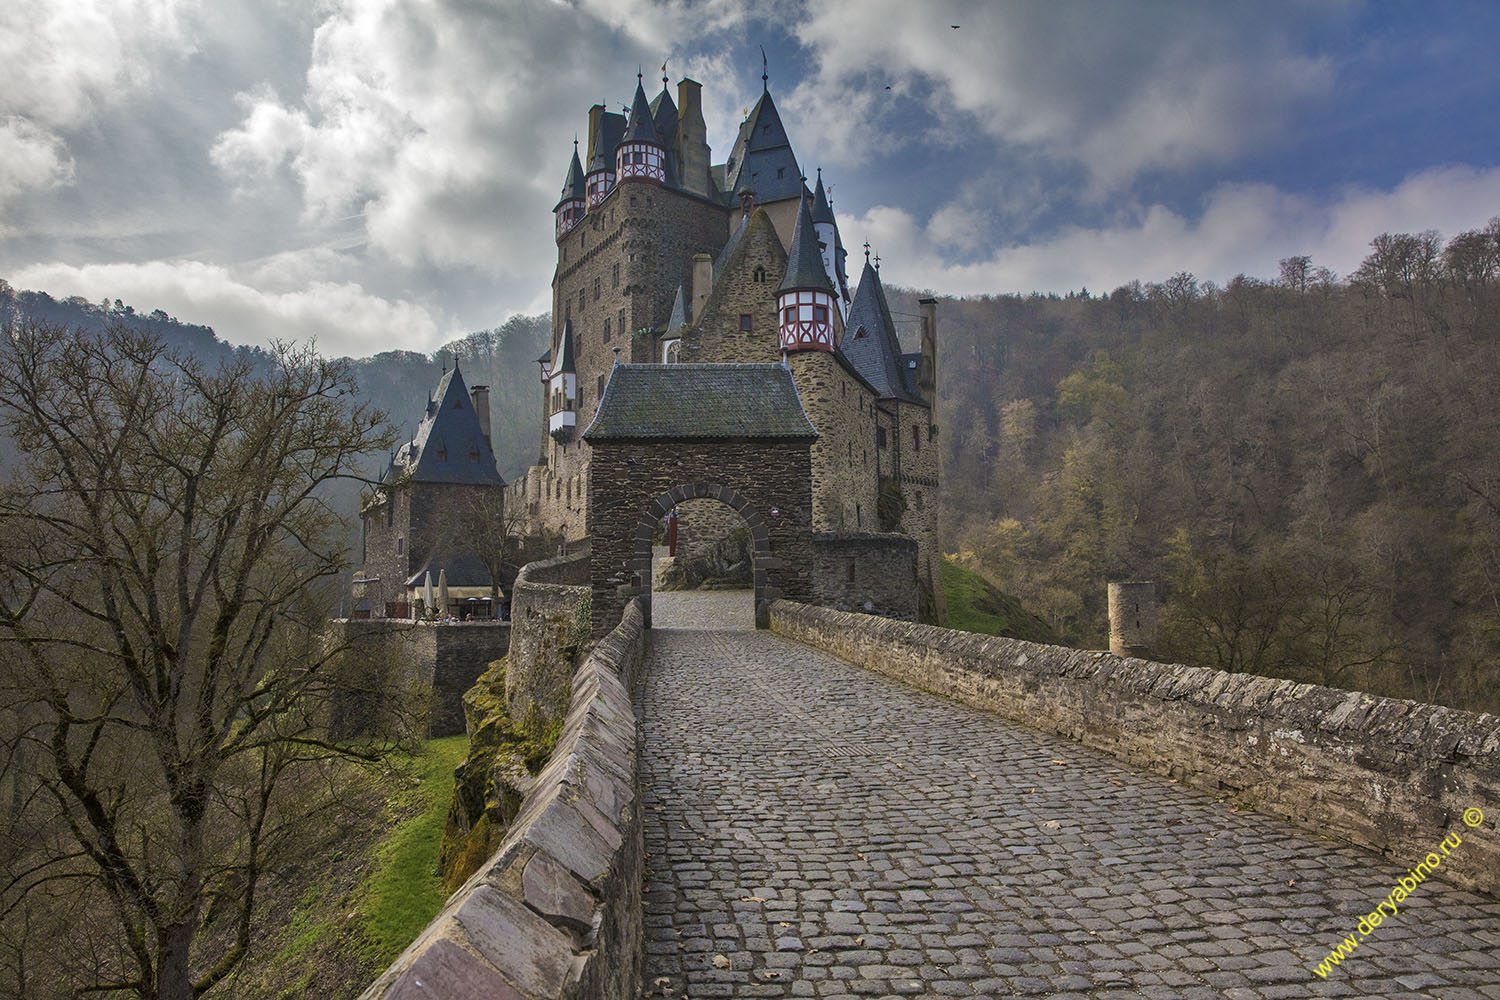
pixel 664 257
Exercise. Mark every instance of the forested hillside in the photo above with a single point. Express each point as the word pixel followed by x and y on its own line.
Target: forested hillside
pixel 1308 466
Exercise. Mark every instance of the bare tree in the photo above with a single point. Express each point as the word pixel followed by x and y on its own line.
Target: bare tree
pixel 162 628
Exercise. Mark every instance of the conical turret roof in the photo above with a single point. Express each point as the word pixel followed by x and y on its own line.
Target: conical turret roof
pixel 821 210
pixel 804 264
pixel 573 188
pixel 565 351
pixel 870 343
pixel 641 127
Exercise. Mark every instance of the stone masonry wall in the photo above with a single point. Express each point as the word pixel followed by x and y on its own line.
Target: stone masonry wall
pixel 556 913
pixel 717 335
pixel 550 618
pixel 843 457
pixel 701 524
pixel 855 569
pixel 1392 775
pixel 444 660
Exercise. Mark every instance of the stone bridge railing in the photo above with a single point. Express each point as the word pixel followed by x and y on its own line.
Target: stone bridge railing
pixel 556 912
pixel 1392 775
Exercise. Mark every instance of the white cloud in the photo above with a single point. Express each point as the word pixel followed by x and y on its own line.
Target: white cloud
pixel 1244 228
pixel 60 61
pixel 342 317
pixel 31 159
pixel 1119 88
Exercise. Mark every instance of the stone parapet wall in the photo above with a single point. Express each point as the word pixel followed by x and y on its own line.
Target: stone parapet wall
pixel 556 912
pixel 550 617
pixel 444 659
pixel 1391 775
pixel 851 570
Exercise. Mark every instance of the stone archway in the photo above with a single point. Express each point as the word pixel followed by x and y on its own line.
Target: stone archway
pixel 669 433
pixel 754 521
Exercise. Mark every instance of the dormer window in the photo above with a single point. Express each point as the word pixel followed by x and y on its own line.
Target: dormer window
pixel 474 455
pixel 442 454
pixel 759 276
pixel 860 334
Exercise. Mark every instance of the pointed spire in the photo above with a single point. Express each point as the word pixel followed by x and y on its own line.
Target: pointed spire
pixel 765 74
pixel 679 316
pixel 640 128
pixel 804 264
pixel 867 252
pixel 573 186
pixel 565 351
pixel 822 211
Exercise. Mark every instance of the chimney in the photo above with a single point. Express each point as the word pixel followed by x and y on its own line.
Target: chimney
pixel 692 137
pixel 480 394
pixel 703 280
pixel 927 374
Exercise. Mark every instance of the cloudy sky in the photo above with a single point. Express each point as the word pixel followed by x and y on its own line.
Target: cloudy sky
pixel 381 173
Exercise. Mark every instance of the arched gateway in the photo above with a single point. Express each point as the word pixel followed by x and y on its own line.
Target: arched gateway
pixel 663 434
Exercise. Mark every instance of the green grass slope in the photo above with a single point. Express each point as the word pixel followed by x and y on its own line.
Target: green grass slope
pixel 976 605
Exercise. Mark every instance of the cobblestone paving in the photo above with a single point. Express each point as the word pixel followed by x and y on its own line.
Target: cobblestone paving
pixel 818 831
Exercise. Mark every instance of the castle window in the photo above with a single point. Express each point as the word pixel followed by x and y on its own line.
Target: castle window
pixel 596 289
pixel 859 520
pixel 916 440
pixel 606 331
pixel 632 201
pixel 614 276
pixel 780 172
pixel 400 546
pixel 442 454
pixel 849 570
pixel 850 446
pixel 880 437
pixel 759 275
pixel 746 321
pixel 620 324
pixel 820 315
pixel 474 454
pixel 581 301
pixel 601 386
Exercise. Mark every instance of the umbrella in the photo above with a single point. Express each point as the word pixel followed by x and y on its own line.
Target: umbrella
pixel 442 591
pixel 427 594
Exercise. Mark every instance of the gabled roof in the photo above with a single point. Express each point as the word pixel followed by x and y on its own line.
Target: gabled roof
pixel 573 186
pixel 602 156
pixel 700 401
pixel 804 263
pixel 762 159
pixel 447 440
pixel 730 244
pixel 870 342
pixel 565 351
pixel 642 126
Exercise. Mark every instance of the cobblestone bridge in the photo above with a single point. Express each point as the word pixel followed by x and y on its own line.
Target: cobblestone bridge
pixel 815 830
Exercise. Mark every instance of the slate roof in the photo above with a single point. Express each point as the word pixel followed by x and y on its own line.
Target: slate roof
pixel 804 262
pixel 679 317
pixel 876 355
pixel 821 211
pixel 602 156
pixel 464 570
pixel 642 126
pixel 573 185
pixel 565 352
pixel 449 434
pixel 664 114
pixel 700 401
pixel 760 151
pixel 730 244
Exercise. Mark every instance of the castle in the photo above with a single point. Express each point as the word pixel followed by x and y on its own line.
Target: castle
pixel 665 258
